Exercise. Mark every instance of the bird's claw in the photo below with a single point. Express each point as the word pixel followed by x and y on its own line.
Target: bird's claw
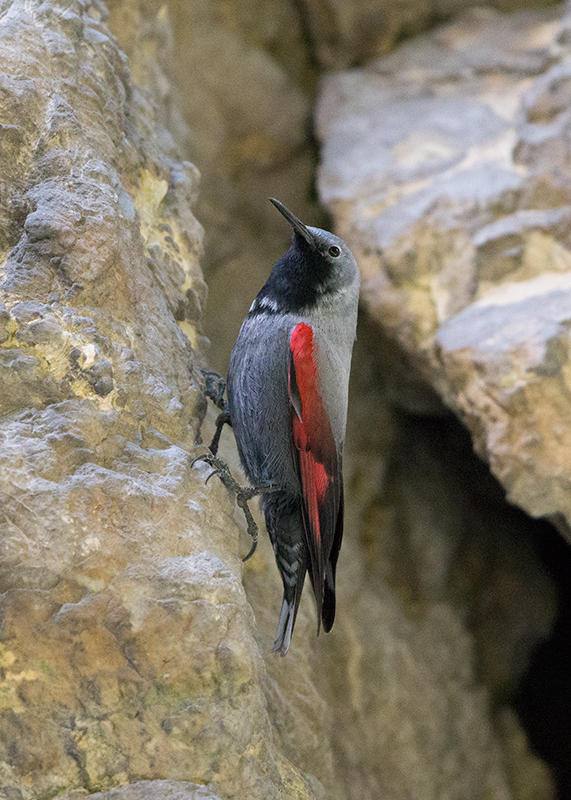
pixel 243 493
pixel 214 472
pixel 253 548
pixel 242 500
pixel 203 457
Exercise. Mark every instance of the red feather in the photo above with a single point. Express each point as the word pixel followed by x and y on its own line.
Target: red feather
pixel 318 462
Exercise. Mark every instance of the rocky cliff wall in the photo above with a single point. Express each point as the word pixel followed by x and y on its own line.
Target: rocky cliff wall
pixel 134 645
pixel 127 642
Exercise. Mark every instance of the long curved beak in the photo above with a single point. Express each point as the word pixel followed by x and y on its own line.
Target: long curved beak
pixel 294 221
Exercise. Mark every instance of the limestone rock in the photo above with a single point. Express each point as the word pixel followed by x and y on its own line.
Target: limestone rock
pixel 345 34
pixel 149 790
pixel 133 662
pixel 127 653
pixel 446 167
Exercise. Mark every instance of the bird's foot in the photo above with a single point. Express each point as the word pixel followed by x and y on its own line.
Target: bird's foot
pixel 214 387
pixel 243 493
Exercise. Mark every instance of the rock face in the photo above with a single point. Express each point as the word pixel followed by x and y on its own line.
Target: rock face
pixel 446 166
pixel 151 790
pixel 126 639
pixel 134 663
pixel 344 34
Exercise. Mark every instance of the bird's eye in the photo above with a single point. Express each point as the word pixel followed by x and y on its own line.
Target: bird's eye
pixel 334 251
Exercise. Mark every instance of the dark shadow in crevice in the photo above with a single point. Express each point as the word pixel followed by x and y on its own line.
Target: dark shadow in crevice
pixel 543 700
pixel 542 696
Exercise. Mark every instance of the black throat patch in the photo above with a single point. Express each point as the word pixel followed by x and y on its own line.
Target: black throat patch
pixel 296 282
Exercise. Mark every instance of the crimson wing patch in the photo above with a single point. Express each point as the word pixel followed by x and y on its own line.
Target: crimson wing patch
pixel 319 469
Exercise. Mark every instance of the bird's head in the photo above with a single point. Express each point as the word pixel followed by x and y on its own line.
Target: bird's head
pixel 317 266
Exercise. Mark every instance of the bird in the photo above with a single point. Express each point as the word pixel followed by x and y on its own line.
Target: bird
pixel 287 390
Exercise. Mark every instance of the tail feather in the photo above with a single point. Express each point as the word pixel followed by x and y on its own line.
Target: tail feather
pixel 285 627
pixel 328 612
pixel 285 527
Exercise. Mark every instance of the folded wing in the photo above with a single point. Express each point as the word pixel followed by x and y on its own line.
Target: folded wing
pixel 319 469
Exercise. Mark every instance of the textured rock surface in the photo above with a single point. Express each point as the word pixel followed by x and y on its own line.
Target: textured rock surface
pixel 446 166
pixel 344 33
pixel 148 790
pixel 126 639
pixel 132 665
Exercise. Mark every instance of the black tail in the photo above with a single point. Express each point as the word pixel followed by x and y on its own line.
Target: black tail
pixel 328 611
pixel 285 527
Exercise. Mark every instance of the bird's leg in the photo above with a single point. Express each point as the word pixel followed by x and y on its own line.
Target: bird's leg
pixel 243 493
pixel 222 419
pixel 214 388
